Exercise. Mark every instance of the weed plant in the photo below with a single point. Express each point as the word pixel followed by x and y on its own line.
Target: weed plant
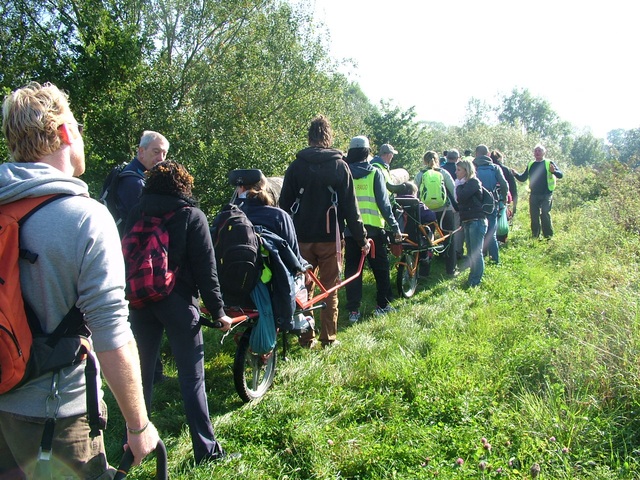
pixel 533 374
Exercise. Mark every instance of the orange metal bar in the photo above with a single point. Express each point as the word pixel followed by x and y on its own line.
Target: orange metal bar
pixel 326 292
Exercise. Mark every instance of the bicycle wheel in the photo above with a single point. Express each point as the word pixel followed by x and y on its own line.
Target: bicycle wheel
pixel 252 374
pixel 405 281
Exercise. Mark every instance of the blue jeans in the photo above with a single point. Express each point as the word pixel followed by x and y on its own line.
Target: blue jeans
pixel 490 244
pixel 474 232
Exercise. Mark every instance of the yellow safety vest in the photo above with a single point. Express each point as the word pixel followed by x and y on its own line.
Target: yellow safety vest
pixel 367 201
pixel 551 178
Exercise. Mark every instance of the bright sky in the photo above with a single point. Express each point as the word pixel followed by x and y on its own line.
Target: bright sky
pixel 582 57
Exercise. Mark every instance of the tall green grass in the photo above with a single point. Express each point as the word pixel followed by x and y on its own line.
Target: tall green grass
pixel 537 367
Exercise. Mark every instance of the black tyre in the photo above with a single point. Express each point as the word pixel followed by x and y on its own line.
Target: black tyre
pixel 252 374
pixel 405 281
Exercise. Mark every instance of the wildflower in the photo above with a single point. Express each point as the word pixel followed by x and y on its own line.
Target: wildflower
pixel 482 466
pixel 330 442
pixel 535 470
pixel 483 440
pixel 565 450
pixel 487 446
pixel 459 461
pixel 552 439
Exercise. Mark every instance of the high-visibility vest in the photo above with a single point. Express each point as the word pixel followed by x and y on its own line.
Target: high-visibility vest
pixel 551 178
pixel 367 200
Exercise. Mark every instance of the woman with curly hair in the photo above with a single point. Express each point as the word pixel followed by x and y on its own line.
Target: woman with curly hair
pixel 168 189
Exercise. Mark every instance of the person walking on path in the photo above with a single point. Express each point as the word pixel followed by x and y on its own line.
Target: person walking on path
pixel 79 264
pixel 473 219
pixel 492 179
pixel 375 208
pixel 169 189
pixel 542 174
pixel 445 210
pixel 318 191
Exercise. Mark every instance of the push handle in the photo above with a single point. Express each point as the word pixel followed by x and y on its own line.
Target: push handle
pixel 161 463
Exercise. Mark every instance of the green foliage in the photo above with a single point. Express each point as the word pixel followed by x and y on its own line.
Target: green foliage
pixel 587 150
pixel 532 115
pixel 389 124
pixel 537 366
pixel 625 145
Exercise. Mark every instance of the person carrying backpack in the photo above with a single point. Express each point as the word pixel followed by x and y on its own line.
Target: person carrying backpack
pixel 79 263
pixel 436 191
pixel 318 191
pixel 472 217
pixel 257 202
pixel 492 179
pixel 167 195
pixel 122 188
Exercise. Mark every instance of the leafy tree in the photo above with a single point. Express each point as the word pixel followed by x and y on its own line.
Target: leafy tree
pixel 389 124
pixel 587 150
pixel 532 115
pixel 625 145
pixel 479 112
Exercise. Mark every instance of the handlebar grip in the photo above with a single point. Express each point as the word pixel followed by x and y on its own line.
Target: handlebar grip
pixel 161 463
pixel 125 465
pixel 210 323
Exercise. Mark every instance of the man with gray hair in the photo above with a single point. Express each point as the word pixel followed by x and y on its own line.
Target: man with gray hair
pixel 542 174
pixel 153 149
pixel 78 263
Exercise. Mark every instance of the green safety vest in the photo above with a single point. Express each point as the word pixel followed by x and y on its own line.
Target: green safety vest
pixel 367 201
pixel 551 178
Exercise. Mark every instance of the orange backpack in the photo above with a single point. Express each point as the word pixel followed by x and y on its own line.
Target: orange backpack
pixel 15 334
pixel 20 330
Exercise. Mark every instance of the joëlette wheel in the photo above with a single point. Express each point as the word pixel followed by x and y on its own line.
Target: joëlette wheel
pixel 252 374
pixel 406 282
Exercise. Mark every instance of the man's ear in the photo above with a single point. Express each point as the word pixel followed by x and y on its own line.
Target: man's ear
pixel 65 134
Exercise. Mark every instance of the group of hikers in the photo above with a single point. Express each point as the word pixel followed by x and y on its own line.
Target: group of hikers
pixel 330 205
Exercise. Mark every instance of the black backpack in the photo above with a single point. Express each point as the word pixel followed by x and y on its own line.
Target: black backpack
pixel 489 201
pixel 108 194
pixel 237 250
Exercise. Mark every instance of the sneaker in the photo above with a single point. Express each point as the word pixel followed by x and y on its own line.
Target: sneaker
pixel 354 316
pixel 383 311
pixel 302 324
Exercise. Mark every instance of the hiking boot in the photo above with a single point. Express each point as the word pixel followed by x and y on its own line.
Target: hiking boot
pixel 354 316
pixel 310 344
pixel 330 343
pixel 384 310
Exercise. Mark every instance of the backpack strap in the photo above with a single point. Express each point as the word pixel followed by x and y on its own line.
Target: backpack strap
pixel 72 324
pixel 296 204
pixel 334 207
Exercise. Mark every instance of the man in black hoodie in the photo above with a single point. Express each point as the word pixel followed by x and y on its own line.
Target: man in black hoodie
pixel 318 191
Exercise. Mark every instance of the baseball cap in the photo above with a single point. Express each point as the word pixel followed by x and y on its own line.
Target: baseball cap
pixel 387 148
pixel 359 142
pixel 453 154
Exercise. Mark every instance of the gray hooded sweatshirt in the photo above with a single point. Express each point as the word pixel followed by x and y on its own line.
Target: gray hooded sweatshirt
pixel 79 262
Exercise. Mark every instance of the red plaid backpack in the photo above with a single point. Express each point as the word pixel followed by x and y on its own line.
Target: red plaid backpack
pixel 146 255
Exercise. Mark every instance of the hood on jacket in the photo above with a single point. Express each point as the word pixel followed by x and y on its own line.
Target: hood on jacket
pixel 22 180
pixel 320 155
pixel 482 160
pixel 361 169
